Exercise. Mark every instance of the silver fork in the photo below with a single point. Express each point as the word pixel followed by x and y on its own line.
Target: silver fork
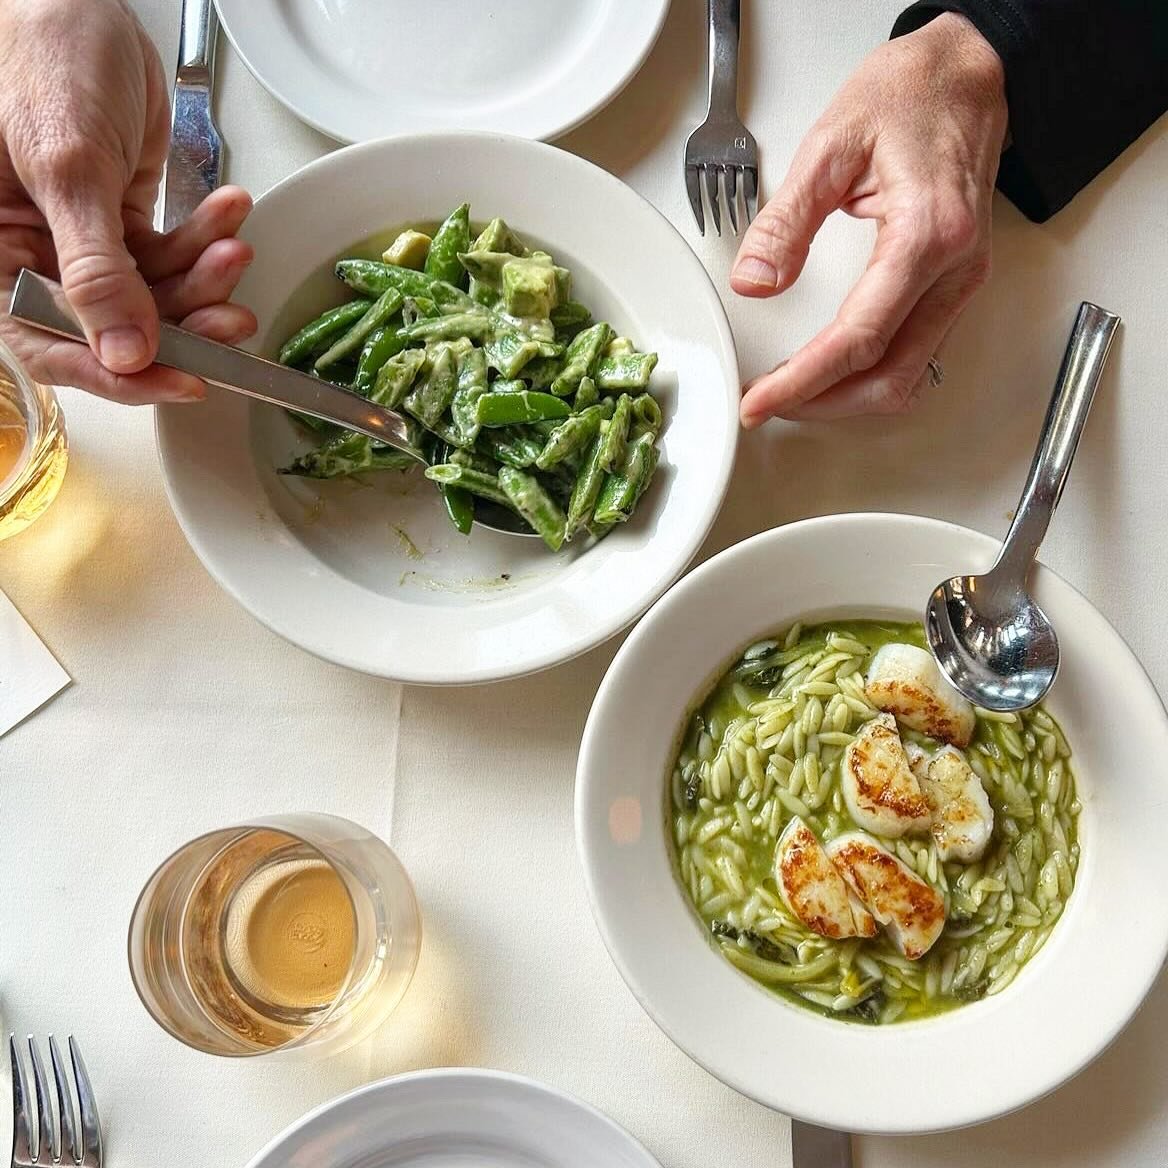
pixel 722 147
pixel 55 1138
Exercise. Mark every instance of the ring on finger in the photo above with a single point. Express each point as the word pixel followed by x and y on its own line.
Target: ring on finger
pixel 936 372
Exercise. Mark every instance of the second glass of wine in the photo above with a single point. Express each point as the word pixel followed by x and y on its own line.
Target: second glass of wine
pixel 295 933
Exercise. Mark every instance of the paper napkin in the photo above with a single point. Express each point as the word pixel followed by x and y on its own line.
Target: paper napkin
pixel 29 673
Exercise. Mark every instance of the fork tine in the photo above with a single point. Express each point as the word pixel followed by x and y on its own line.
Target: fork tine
pixel 46 1142
pixel 70 1145
pixel 87 1105
pixel 21 1133
pixel 694 190
pixel 710 170
pixel 750 190
pixel 731 175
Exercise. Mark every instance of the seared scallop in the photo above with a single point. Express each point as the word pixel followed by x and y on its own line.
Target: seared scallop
pixel 813 888
pixel 963 819
pixel 904 680
pixel 882 793
pixel 911 911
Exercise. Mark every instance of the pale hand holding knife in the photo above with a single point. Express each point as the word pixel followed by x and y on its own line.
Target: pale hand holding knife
pixel 193 164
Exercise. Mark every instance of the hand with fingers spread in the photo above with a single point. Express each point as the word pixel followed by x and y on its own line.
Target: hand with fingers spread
pixel 84 128
pixel 912 140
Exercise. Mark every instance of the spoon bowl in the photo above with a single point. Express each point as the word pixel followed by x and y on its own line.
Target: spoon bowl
pixel 986 632
pixel 999 649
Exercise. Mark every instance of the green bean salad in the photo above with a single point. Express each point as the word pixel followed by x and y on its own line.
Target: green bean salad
pixel 512 391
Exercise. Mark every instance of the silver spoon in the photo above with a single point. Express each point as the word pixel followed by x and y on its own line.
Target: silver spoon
pixel 989 637
pixel 41 302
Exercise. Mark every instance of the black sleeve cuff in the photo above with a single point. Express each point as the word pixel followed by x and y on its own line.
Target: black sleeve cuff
pixel 1083 80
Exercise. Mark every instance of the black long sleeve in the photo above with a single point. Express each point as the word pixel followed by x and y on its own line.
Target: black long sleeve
pixel 1084 79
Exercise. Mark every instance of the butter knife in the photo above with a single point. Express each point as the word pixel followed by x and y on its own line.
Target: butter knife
pixel 193 164
pixel 819 1147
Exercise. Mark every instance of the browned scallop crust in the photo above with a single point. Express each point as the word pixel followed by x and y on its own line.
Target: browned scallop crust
pixel 876 783
pixel 919 708
pixel 814 889
pixel 894 893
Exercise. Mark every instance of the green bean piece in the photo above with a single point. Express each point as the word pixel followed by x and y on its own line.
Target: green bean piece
pixel 622 490
pixel 382 343
pixel 474 325
pixel 430 397
pixel 445 429
pixel 630 371
pixel 563 286
pixel 509 385
pixel 395 378
pixel 409 250
pixel 570 437
pixel 459 507
pixel 528 497
pixel 530 286
pixel 587 395
pixel 484 485
pixel 581 358
pixel 372 277
pixel 415 308
pixel 318 334
pixel 540 372
pixel 569 317
pixel 616 436
pixel 449 300
pixel 450 239
pixel 588 484
pixel 646 414
pixel 510 409
pixel 346 455
pixel 472 385
pixel 497 236
pixel 473 460
pixel 512 445
pixel 377 314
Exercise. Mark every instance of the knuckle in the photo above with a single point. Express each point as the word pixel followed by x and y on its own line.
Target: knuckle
pixel 977 272
pixel 95 278
pixel 866 345
pixel 899 392
pixel 955 229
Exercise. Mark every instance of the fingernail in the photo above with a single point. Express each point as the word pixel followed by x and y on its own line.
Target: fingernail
pixel 751 421
pixel 122 349
pixel 752 270
pixel 180 396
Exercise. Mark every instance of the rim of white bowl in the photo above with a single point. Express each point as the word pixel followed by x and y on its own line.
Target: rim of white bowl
pixel 431 672
pixel 932 1117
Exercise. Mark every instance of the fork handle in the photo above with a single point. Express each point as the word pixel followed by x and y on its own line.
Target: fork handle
pixel 725 25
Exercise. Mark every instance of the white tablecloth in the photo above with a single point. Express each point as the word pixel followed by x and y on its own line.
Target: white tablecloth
pixel 186 714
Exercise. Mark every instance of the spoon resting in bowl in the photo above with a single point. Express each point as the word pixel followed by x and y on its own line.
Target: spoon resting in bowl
pixel 986 632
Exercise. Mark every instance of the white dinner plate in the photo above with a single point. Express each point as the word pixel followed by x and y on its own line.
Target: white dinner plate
pixel 363 69
pixel 454 1119
pixel 371 574
pixel 967 1065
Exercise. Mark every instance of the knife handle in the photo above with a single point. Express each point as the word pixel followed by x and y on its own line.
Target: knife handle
pixel 196 41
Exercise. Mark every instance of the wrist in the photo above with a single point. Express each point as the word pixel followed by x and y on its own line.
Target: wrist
pixel 972 68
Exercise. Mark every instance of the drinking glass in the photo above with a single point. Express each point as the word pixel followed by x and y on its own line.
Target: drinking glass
pixel 33 447
pixel 292 934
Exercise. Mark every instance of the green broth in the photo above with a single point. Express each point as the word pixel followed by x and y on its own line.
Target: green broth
pixel 742 773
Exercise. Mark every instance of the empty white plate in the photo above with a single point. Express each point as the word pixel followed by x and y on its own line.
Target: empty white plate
pixel 456 1119
pixel 361 69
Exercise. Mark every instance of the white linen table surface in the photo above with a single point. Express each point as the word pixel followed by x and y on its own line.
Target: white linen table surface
pixel 186 714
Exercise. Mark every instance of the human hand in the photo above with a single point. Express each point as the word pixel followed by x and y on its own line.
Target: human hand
pixel 912 140
pixel 84 129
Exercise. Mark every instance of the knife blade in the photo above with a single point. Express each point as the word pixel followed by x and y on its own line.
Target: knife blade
pixel 819 1147
pixel 193 164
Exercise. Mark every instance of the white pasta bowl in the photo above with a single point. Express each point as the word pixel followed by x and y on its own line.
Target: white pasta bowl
pixel 370 574
pixel 982 1059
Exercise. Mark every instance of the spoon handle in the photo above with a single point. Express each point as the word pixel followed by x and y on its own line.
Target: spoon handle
pixel 1074 391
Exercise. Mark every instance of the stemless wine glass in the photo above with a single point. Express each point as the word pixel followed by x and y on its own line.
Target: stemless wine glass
pixel 288 934
pixel 33 448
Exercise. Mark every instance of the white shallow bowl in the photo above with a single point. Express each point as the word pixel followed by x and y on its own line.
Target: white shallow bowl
pixel 364 69
pixel 377 579
pixel 976 1062
pixel 454 1119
